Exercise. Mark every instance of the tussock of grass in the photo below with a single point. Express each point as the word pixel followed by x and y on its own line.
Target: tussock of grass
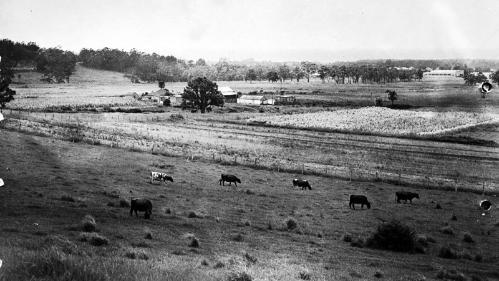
pixel 194 243
pixel 447 230
pixel 447 252
pixel 136 254
pixel 88 223
pixel 93 238
pixel 291 223
pixel 468 238
pixel 451 275
pixel 239 276
pixel 67 198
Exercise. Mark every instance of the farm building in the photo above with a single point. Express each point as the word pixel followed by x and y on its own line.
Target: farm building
pixel 285 99
pixel 255 100
pixel 230 96
pixel 176 100
pixel 443 75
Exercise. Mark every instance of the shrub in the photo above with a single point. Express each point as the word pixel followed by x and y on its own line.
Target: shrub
pixel 450 275
pixel 67 198
pixel 93 238
pixel 378 274
pixel 359 243
pixel 141 244
pixel 249 258
pixel 304 275
pixel 346 238
pixel 192 214
pixel 447 252
pixel 124 203
pixel 136 254
pixel 88 223
pixel 291 223
pixel 219 264
pixel 238 237
pixel 176 117
pixel 110 204
pixel 478 258
pixel 393 236
pixel 453 218
pixel 422 240
pixel 438 206
pixel 168 211
pixel 205 263
pixel 246 222
pixel 148 234
pixel 447 230
pixel 194 243
pixel 239 276
pixel 468 238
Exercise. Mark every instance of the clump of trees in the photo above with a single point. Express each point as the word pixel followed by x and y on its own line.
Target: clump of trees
pixel 55 64
pixel 201 93
pixel 472 79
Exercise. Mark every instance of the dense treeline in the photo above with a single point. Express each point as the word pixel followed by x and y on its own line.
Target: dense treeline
pixel 56 65
pixel 154 67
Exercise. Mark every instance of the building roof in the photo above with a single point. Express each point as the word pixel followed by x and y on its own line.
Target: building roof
pixel 160 92
pixel 227 91
pixel 248 97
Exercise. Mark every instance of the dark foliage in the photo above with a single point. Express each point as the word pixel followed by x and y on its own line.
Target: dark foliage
pixel 201 93
pixel 393 236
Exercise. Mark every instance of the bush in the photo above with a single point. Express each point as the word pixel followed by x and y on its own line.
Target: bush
pixel 251 259
pixel 450 275
pixel 447 230
pixel 192 214
pixel 304 275
pixel 453 218
pixel 93 238
pixel 238 237
pixel 136 254
pixel 393 236
pixel 219 264
pixel 67 198
pixel 359 243
pixel 88 223
pixel 148 234
pixel 346 238
pixel 468 238
pixel 194 243
pixel 422 240
pixel 291 223
pixel 239 276
pixel 447 252
pixel 124 203
pixel 205 263
pixel 176 117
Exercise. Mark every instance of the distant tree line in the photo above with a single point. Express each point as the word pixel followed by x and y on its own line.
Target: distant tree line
pixel 56 65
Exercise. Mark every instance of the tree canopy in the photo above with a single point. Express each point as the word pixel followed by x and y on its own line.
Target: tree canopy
pixel 201 92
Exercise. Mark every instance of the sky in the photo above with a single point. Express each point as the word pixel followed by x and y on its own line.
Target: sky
pixel 270 30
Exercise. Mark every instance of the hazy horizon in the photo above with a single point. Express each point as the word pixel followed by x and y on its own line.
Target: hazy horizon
pixel 322 31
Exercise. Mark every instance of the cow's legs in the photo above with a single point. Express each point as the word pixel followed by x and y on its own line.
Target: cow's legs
pixel 235 183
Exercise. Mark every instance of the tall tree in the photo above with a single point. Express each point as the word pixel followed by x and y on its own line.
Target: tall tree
pixel 392 95
pixel 202 92
pixel 251 75
pixel 309 68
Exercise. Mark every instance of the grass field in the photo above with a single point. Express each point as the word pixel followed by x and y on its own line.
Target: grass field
pixel 60 166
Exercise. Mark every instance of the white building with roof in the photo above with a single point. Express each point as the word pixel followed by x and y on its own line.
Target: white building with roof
pixel 443 74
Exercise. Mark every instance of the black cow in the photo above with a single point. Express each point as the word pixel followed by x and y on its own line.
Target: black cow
pixel 304 184
pixel 359 199
pixel 142 205
pixel 230 179
pixel 405 195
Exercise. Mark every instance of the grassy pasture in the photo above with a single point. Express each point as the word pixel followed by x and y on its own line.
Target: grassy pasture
pixel 59 167
pixel 34 212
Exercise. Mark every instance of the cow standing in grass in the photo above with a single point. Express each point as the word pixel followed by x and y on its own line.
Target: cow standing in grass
pixel 142 205
pixel 157 176
pixel 405 195
pixel 304 184
pixel 359 199
pixel 229 178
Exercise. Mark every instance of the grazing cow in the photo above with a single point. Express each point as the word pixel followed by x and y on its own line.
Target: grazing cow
pixel 142 205
pixel 405 195
pixel 157 176
pixel 304 184
pixel 359 199
pixel 230 179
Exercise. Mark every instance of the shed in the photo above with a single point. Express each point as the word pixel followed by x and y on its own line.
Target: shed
pixel 230 96
pixel 285 99
pixel 254 100
pixel 176 100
